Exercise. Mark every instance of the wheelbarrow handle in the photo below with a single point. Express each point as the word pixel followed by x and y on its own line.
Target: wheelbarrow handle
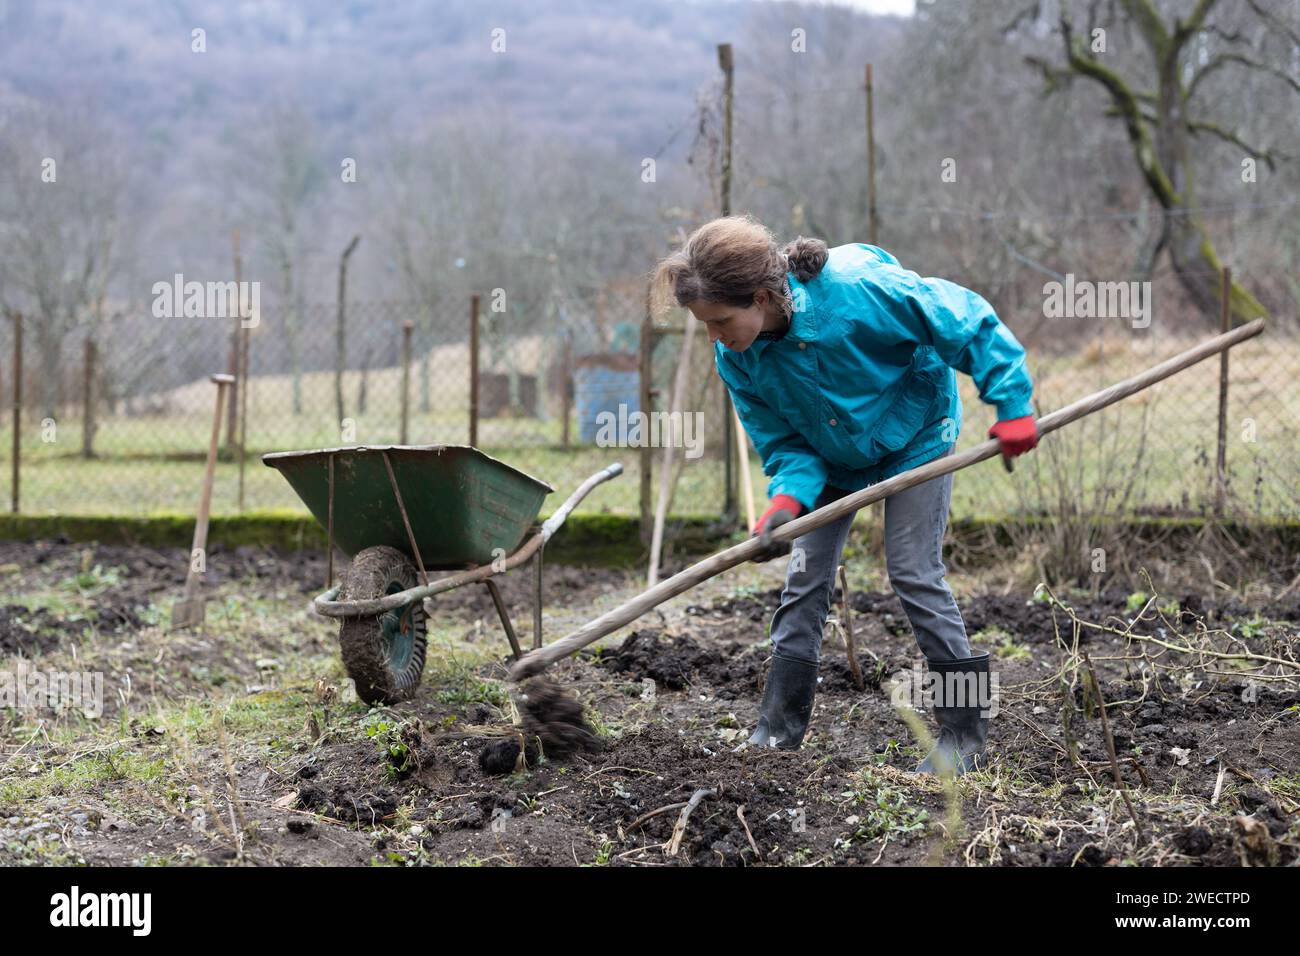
pixel 327 604
pixel 553 523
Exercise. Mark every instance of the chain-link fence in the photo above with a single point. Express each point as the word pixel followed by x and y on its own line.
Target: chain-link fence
pixel 116 417
pixel 124 423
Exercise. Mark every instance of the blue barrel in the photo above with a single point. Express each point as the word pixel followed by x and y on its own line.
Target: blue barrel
pixel 597 389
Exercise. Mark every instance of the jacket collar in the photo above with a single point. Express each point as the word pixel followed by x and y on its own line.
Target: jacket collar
pixel 803 327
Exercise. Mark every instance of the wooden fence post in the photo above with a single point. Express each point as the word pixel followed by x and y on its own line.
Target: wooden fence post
pixel 88 402
pixel 18 408
pixel 1221 450
pixel 407 327
pixel 473 370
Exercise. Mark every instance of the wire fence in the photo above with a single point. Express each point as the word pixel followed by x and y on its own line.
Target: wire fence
pixel 116 417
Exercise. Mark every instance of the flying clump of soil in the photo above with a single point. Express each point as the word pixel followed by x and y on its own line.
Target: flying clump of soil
pixel 553 725
pixel 555 718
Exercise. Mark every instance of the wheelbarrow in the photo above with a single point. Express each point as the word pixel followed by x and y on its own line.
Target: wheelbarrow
pixel 401 511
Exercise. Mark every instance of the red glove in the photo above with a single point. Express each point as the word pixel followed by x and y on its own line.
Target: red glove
pixel 779 503
pixel 1015 435
pixel 782 509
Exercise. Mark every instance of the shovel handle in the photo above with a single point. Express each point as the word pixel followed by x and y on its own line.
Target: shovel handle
pixel 537 660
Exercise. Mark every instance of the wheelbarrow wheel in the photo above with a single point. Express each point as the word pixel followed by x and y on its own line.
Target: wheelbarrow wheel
pixel 383 654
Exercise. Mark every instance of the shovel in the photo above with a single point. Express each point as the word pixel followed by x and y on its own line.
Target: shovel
pixel 534 662
pixel 189 610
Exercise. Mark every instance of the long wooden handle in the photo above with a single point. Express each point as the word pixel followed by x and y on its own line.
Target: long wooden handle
pixel 668 480
pixel 742 447
pixel 535 661
pixel 205 496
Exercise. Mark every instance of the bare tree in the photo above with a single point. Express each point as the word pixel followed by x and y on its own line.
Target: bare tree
pixel 1157 102
pixel 61 181
pixel 275 173
pixel 476 205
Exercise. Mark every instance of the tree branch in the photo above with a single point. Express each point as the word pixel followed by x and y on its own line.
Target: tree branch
pixel 1224 35
pixel 1197 126
pixel 1223 59
pixel 1053 77
pixel 1031 11
pixel 1185 31
pixel 1126 102
pixel 1275 21
pixel 1152 28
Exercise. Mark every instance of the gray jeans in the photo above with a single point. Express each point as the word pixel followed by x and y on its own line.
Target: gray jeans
pixel 915 521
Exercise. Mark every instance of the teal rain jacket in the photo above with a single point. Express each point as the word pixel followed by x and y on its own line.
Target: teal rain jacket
pixel 863 386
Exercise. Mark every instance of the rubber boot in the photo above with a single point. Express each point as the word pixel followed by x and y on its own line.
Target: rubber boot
pixel 787 704
pixel 962 731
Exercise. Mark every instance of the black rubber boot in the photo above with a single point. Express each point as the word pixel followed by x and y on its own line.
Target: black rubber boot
pixel 962 731
pixel 787 704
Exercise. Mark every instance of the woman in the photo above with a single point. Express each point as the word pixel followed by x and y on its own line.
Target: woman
pixel 841 364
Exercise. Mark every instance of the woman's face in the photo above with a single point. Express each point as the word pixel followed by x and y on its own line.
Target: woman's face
pixel 733 326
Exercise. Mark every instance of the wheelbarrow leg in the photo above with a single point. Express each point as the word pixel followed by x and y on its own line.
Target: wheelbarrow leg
pixel 537 600
pixel 505 618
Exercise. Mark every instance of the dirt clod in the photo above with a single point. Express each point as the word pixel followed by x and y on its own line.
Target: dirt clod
pixel 502 756
pixel 555 717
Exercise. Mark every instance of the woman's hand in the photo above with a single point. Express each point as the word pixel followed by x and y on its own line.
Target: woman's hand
pixel 1015 436
pixel 782 509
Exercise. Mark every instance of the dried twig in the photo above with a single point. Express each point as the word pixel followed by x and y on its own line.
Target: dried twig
pixel 1110 747
pixel 653 813
pixel 679 830
pixel 740 814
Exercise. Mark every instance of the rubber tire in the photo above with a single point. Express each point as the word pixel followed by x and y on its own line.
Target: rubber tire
pixel 375 572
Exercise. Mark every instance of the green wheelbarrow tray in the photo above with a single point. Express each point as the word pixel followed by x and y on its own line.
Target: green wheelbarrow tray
pixel 465 507
pixel 466 510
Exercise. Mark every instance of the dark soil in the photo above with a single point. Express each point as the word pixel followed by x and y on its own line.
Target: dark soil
pixel 669 706
pixel 680 736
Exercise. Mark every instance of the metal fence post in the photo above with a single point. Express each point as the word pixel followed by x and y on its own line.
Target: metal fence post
pixel 18 408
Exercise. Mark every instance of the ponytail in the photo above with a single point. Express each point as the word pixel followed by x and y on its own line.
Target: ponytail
pixel 806 257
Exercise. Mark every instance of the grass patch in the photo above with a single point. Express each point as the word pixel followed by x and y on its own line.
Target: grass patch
pixel 85 774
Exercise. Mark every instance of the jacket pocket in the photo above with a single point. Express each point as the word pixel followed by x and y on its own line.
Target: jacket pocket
pixel 909 411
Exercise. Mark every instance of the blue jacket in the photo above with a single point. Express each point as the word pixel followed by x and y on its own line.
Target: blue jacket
pixel 863 385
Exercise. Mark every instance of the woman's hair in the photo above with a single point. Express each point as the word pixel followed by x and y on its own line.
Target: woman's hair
pixel 729 259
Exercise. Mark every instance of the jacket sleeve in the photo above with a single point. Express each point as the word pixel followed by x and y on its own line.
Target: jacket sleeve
pixel 794 467
pixel 963 328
